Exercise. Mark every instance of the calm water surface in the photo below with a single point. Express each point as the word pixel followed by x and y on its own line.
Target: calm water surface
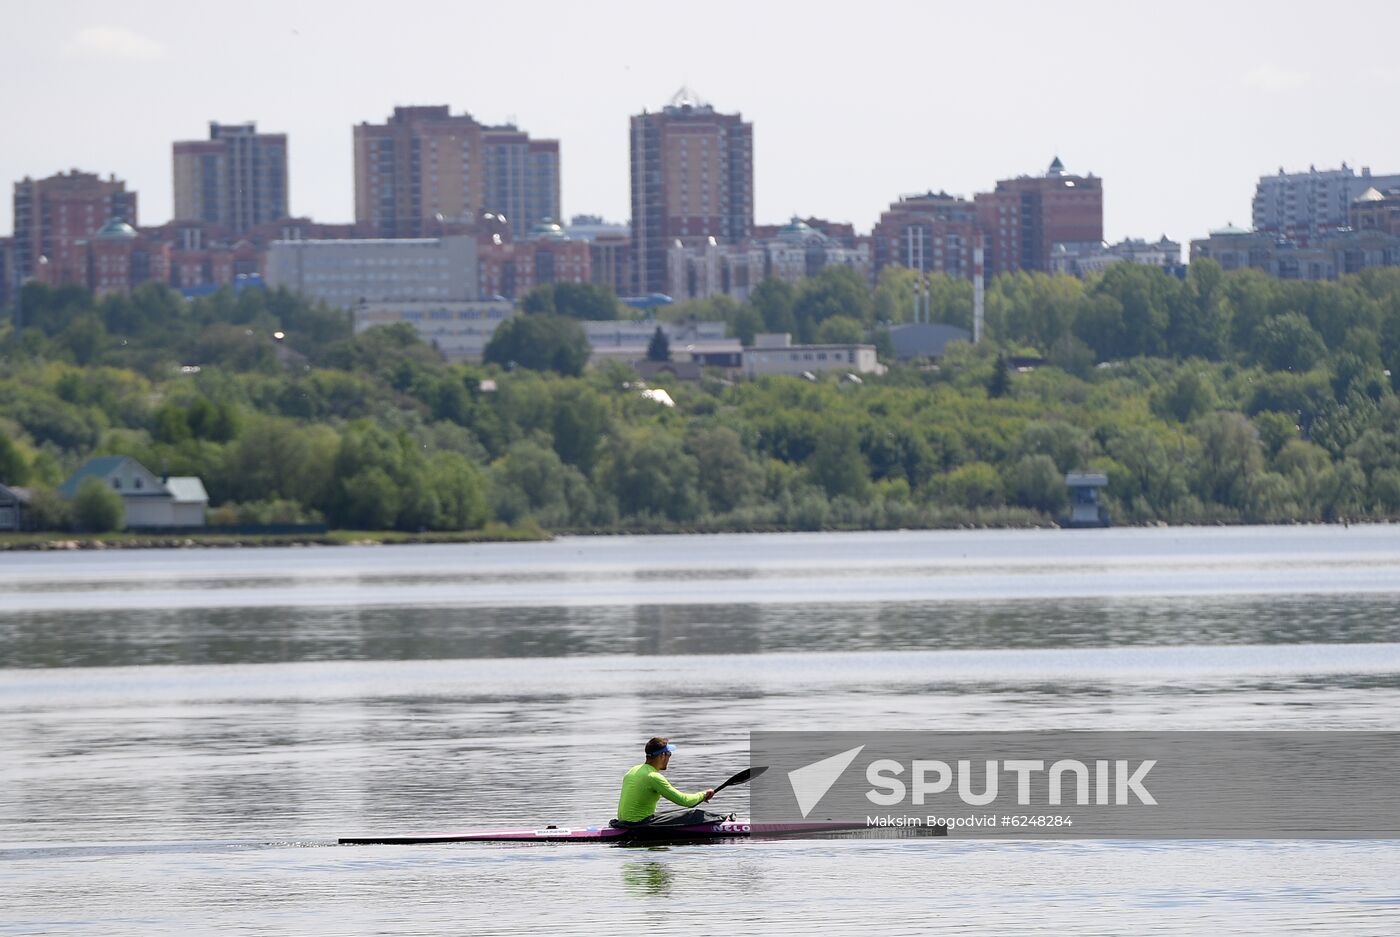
pixel 183 734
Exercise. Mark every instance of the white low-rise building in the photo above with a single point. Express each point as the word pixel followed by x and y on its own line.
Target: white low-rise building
pixel 460 331
pixel 1081 260
pixel 775 354
pixel 353 271
pixel 627 340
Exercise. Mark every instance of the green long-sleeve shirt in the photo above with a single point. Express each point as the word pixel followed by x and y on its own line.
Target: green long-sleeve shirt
pixel 642 786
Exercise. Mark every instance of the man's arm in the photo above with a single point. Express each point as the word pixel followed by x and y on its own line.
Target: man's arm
pixel 668 791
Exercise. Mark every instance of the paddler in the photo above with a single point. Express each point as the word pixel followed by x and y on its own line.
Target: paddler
pixel 644 785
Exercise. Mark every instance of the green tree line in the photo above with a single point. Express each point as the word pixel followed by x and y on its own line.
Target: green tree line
pixel 1221 397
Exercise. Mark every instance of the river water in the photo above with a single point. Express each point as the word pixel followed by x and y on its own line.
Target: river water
pixel 184 734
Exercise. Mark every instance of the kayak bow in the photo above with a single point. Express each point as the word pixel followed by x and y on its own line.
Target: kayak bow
pixel 700 832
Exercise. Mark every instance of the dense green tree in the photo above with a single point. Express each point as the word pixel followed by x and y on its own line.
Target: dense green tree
pixel 747 324
pixel 651 475
pixel 659 348
pixel 1287 343
pixel 370 500
pixel 1037 483
pixel 999 382
pixel 1069 447
pixel 1033 309
pixel 14 467
pixel 841 330
pixel 1200 320
pixel 171 425
pixel 47 510
pixel 460 490
pixel 775 301
pixel 974 485
pixel 96 507
pixel 581 420
pixel 575 300
pixel 541 343
pixel 1152 470
pixel 835 291
pixel 1230 457
pixel 586 301
pixel 530 481
pixel 277 458
pixel 836 464
pixel 729 478
pixel 1275 430
pixel 1186 397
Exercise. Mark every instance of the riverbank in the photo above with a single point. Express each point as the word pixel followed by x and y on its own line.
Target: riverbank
pixel 145 540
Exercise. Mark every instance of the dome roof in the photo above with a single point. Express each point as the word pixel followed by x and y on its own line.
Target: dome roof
pixel 116 229
pixel 686 97
pixel 1371 195
pixel 799 230
pixel 548 230
pixel 1229 229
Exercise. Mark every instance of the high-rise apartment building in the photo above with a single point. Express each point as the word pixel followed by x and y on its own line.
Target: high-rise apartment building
pixel 1024 218
pixel 521 178
pixel 1302 205
pixel 692 179
pixel 236 179
pixel 425 166
pixel 53 215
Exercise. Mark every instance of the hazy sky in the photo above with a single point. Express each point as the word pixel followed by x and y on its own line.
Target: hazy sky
pixel 1179 107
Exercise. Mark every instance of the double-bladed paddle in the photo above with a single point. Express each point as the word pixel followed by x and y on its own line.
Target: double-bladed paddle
pixel 743 777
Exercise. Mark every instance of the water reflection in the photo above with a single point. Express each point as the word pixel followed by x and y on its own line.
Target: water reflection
pixel 647 878
pixel 95 638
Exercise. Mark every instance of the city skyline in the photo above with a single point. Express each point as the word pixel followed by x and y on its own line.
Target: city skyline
pixel 1180 115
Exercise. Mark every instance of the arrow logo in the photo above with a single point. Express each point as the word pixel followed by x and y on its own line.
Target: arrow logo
pixel 811 782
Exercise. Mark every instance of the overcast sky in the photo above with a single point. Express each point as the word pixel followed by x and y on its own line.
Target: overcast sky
pixel 1178 107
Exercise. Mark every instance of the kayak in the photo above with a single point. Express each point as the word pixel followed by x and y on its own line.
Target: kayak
pixel 699 832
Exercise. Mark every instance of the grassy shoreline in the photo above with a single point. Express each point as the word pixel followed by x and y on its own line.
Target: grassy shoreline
pixel 498 533
pixel 144 540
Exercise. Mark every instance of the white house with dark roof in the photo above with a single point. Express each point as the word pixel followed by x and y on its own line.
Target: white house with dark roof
pixel 150 500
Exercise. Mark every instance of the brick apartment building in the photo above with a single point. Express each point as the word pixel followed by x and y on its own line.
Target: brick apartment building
pixel 692 179
pixel 1019 224
pixel 1024 218
pixel 425 166
pixel 932 233
pixel 54 216
pixel 545 255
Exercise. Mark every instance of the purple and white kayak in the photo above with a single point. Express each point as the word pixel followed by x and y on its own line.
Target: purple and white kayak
pixel 700 832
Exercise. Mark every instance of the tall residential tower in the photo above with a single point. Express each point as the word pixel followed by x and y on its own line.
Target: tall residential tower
pixel 236 179
pixel 425 166
pixel 692 179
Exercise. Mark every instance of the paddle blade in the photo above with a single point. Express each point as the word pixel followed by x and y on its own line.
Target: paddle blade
pixel 743 777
